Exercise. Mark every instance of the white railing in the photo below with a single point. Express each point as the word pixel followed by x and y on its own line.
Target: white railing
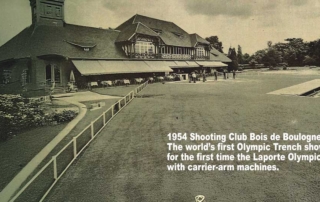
pixel 50 173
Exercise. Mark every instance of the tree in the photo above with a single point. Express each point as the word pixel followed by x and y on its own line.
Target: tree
pixel 271 58
pixel 314 51
pixel 309 61
pixel 246 58
pixel 295 51
pixel 214 41
pixel 253 63
pixel 240 56
pixel 233 56
pixel 257 57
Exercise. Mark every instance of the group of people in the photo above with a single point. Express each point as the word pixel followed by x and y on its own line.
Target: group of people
pixel 225 74
pixel 193 76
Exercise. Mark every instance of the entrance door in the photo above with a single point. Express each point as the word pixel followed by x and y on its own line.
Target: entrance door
pixel 48 75
pixel 53 74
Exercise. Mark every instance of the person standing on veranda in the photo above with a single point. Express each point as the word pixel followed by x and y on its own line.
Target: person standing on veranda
pixel 194 77
pixel 204 76
pixel 215 75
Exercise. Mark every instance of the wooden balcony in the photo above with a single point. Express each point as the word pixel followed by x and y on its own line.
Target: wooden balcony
pixel 167 56
pixel 142 55
pixel 202 57
pixel 174 56
pixel 181 56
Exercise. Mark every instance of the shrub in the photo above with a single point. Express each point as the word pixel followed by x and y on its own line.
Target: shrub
pixel 17 113
pixel 64 116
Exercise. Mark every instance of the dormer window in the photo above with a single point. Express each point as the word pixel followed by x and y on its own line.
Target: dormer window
pixel 158 31
pixel 86 46
pixel 178 34
pixel 143 47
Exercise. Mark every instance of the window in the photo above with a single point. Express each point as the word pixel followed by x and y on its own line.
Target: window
pixel 25 77
pixel 5 76
pixel 163 49
pixel 48 10
pixel 48 73
pixel 144 47
pixel 35 10
pixel 200 52
pixel 57 73
pixel 58 11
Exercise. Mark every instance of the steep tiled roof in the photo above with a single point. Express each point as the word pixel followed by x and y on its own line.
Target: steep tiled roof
pixel 152 23
pixel 137 28
pixel 218 56
pixel 172 39
pixel 82 42
pixel 195 38
pixel 170 33
pixel 46 40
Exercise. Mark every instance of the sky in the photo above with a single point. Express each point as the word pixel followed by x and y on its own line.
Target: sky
pixel 248 23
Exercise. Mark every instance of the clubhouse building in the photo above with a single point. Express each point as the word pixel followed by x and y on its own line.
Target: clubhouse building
pixel 50 51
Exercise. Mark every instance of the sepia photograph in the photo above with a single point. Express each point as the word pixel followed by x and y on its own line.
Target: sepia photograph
pixel 149 101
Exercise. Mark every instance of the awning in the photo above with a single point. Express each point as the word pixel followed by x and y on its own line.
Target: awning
pixel 136 67
pixel 211 64
pixel 88 67
pixel 159 66
pixel 170 63
pixel 185 64
pixel 181 63
pixel 100 67
pixel 192 63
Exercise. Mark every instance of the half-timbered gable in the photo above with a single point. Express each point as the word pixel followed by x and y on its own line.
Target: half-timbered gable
pixel 173 42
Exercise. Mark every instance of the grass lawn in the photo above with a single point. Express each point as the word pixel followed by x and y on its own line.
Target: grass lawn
pixel 18 151
pixel 127 162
